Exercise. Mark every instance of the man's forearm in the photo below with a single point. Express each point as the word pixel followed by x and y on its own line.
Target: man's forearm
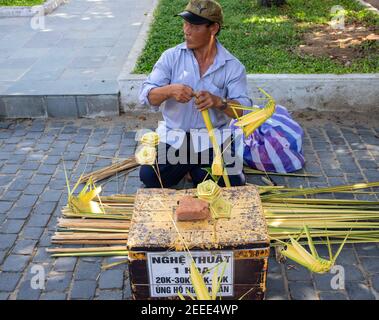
pixel 158 95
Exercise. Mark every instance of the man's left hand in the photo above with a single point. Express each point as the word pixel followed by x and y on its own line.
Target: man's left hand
pixel 205 100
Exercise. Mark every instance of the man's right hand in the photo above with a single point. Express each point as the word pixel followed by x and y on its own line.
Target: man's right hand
pixel 181 93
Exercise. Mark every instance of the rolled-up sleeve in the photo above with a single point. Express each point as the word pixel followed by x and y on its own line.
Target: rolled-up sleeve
pixel 160 76
pixel 237 84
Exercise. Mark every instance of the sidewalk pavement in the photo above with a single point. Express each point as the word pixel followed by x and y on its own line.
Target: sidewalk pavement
pixel 33 191
pixel 80 50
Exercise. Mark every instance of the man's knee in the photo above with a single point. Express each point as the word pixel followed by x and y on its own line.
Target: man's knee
pixel 237 180
pixel 148 176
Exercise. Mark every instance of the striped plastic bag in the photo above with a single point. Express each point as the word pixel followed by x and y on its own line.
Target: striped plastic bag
pixel 276 146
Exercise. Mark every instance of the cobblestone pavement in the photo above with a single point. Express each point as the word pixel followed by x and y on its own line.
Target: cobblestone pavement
pixel 32 192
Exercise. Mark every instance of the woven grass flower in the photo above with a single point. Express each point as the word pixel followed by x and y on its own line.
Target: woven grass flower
pixel 255 119
pixel 146 155
pixel 208 190
pixel 83 203
pixel 221 208
pixel 150 139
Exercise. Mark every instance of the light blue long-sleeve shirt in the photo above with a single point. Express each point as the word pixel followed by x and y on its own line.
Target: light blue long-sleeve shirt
pixel 225 78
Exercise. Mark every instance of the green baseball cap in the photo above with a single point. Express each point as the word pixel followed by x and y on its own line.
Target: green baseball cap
pixel 203 12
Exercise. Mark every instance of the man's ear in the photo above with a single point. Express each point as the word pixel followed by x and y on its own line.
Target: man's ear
pixel 215 27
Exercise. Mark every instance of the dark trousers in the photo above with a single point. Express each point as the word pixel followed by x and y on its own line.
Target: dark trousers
pixel 171 174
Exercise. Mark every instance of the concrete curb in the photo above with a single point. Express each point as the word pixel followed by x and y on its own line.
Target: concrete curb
pixel 59 106
pixel 323 92
pixel 24 11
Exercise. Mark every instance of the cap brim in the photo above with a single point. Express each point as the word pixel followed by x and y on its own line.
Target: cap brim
pixel 193 18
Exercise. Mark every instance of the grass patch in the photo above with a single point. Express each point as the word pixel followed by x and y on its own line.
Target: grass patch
pixel 264 39
pixel 21 3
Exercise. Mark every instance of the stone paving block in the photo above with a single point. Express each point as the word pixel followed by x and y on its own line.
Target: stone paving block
pixel 9 148
pixel 53 159
pixel 10 168
pixel 26 201
pixel 24 247
pixel 17 159
pixel 34 189
pixel 65 264
pixel 71 156
pixel 47 169
pixel 375 282
pixel 12 226
pixel 53 296
pixel 5 206
pixel 25 174
pixel 45 207
pixel 38 220
pixel 367 249
pixel 87 270
pixel 15 263
pixel 26 292
pixel 58 281
pixel 41 255
pixel 18 185
pixel 84 289
pixel 296 272
pixel 275 287
pixel 7 240
pixel 347 257
pixel 111 279
pixel 302 290
pixel 32 233
pixel 5 180
pixel 4 296
pixel 19 213
pixel 3 254
pixel 358 291
pixel 45 240
pixel 332 295
pixel 11 195
pixel 110 295
pixel 371 265
pixel 51 196
pixel 9 281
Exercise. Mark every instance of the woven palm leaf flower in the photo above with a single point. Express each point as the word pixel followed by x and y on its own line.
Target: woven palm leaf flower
pixel 146 155
pixel 208 190
pixel 296 252
pixel 83 203
pixel 221 208
pixel 150 139
pixel 256 118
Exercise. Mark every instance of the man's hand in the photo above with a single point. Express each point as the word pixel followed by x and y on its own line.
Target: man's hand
pixel 205 100
pixel 181 93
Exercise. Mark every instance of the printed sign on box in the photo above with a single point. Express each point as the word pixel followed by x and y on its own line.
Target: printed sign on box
pixel 169 272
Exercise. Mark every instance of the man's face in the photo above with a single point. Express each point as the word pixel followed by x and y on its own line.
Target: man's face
pixel 197 36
